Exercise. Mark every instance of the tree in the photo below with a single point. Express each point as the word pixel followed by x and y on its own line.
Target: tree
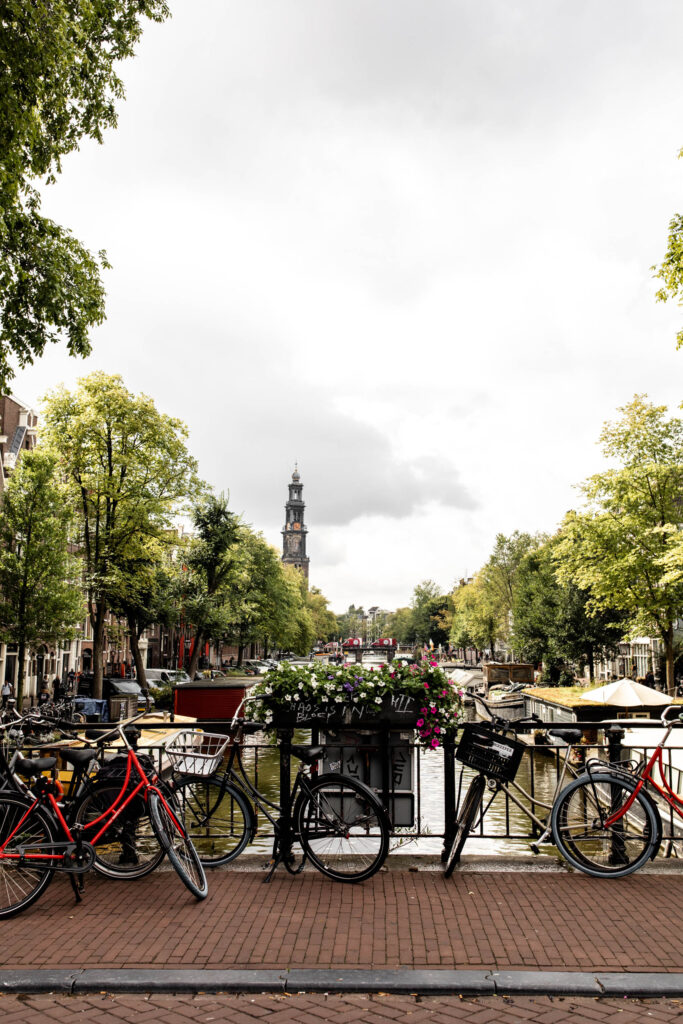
pixel 39 599
pixel 212 564
pixel 400 624
pixel 144 592
pixel 268 601
pixel 500 574
pixel 324 620
pixel 625 547
pixel 58 85
pixel 475 617
pixel 129 473
pixel 554 622
pixel 430 608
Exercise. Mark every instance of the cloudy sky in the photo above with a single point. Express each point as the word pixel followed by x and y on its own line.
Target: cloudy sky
pixel 407 244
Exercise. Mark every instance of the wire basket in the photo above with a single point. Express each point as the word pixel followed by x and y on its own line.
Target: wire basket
pixel 197 753
pixel 489 752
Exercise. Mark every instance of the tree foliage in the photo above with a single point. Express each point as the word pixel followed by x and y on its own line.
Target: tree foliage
pixel 40 601
pixel 129 473
pixel 625 547
pixel 58 85
pixel 554 621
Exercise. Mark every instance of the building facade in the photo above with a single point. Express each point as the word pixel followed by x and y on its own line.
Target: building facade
pixel 294 532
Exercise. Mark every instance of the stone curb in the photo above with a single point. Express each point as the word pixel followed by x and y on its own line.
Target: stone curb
pixel 399 982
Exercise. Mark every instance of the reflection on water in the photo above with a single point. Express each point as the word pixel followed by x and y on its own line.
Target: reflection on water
pixel 503 819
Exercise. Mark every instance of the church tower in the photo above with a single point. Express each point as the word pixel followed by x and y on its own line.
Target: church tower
pixel 294 532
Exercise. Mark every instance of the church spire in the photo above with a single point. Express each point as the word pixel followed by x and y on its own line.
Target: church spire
pixel 294 532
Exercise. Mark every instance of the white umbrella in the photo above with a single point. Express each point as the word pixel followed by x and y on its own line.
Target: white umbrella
pixel 624 693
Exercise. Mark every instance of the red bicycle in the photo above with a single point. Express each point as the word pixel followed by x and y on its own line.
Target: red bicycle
pixel 40 834
pixel 606 823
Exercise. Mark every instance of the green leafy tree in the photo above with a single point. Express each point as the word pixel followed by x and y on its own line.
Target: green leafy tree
pixel 625 546
pixel 212 564
pixel 350 622
pixel 144 592
pixel 40 601
pixel 431 614
pixel 268 601
pixel 129 474
pixel 400 625
pixel 500 575
pixel 476 616
pixel 58 85
pixel 324 620
pixel 554 621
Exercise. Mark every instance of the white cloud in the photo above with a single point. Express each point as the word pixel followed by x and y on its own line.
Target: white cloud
pixel 410 248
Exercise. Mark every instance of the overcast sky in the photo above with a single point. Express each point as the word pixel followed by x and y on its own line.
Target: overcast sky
pixel 407 244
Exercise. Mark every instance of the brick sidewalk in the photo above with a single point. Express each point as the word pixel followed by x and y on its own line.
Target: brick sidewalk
pixel 316 1009
pixel 478 920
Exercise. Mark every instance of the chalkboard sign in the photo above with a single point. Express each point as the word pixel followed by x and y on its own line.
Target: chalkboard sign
pixel 399 709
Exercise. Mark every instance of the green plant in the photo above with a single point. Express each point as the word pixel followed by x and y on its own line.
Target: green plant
pixel 439 700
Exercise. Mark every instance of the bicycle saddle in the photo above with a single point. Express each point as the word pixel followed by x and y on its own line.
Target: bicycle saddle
pixel 307 754
pixel 39 764
pixel 567 734
pixel 80 757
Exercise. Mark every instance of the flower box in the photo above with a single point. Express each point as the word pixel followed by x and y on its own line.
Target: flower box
pixel 416 697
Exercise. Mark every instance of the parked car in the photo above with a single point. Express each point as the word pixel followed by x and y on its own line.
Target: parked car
pixel 160 676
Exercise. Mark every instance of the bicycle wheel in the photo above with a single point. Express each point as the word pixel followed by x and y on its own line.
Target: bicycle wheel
pixel 465 821
pixel 129 848
pixel 167 823
pixel 580 834
pixel 342 827
pixel 218 819
pixel 22 884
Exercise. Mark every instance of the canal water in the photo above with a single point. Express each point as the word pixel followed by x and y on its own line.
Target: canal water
pixel 503 819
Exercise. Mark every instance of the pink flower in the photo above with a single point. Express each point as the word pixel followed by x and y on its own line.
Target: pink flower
pixel 434 664
pixel 434 744
pixel 426 686
pixel 424 710
pixel 420 722
pixel 433 710
pixel 437 729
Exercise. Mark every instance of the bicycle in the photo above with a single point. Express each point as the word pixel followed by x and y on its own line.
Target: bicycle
pixel 606 823
pixel 338 822
pixel 33 820
pixel 486 747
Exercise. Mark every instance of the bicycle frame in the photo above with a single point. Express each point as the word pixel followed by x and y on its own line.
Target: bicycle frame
pixel 646 775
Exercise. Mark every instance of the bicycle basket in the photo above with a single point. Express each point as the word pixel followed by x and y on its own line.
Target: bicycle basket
pixel 489 752
pixel 197 753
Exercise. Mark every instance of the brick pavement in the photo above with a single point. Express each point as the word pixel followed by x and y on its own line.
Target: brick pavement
pixel 348 1009
pixel 518 921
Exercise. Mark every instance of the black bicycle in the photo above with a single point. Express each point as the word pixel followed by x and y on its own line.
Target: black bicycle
pixel 489 748
pixel 335 822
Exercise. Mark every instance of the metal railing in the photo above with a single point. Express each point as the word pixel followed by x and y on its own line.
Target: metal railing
pixel 440 782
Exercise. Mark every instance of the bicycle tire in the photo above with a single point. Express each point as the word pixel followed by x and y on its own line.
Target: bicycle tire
pixel 342 827
pixel 167 823
pixel 217 816
pixel 129 849
pixel 581 838
pixel 465 820
pixel 21 885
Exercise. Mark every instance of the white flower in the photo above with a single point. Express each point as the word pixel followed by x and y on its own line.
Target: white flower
pixel 378 700
pixel 269 716
pixel 314 685
pixel 355 700
pixel 301 685
pixel 269 689
pixel 368 683
pixel 288 696
pixel 338 700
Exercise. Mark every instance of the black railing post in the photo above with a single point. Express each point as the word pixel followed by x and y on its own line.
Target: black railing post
pixel 615 735
pixel 449 808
